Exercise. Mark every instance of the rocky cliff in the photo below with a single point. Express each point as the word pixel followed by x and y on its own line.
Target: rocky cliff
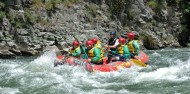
pixel 27 27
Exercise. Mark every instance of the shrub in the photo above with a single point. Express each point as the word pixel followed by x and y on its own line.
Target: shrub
pixel 30 18
pixel 117 6
pixel 153 4
pixel 91 9
pixel 186 8
pixel 42 21
pixel 2 15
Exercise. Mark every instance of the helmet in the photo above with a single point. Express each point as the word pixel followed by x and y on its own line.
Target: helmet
pixel 89 42
pixel 75 43
pixel 113 33
pixel 131 35
pixel 95 40
pixel 122 40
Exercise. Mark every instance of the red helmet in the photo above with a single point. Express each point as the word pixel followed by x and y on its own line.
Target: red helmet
pixel 122 40
pixel 89 42
pixel 131 35
pixel 95 40
pixel 75 43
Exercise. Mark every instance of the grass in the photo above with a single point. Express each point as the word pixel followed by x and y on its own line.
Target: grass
pixel 153 4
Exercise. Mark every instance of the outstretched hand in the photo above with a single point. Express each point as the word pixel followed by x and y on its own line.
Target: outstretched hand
pixel 69 53
pixel 106 46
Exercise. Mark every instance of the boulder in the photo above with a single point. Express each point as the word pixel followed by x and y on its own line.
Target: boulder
pixel 5 54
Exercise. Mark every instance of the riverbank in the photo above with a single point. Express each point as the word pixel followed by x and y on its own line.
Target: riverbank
pixel 28 27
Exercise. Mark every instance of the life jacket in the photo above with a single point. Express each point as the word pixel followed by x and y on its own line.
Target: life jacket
pixel 99 46
pixel 111 42
pixel 91 55
pixel 74 50
pixel 131 47
pixel 120 49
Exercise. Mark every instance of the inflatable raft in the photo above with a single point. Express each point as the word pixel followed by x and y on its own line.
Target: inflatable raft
pixel 113 66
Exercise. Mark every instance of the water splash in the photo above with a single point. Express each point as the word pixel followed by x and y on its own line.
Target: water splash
pixel 42 63
pixel 176 71
pixel 6 90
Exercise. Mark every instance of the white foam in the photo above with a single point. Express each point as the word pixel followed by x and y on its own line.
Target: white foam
pixel 43 63
pixel 7 90
pixel 175 72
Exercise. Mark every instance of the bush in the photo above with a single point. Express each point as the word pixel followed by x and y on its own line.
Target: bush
pixel 37 4
pixel 42 21
pixel 2 5
pixel 186 8
pixel 2 15
pixel 91 9
pixel 30 18
pixel 117 6
pixel 153 4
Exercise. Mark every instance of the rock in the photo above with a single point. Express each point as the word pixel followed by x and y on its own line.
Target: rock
pixel 51 48
pixel 37 47
pixel 1 36
pixel 29 52
pixel 3 46
pixel 157 29
pixel 12 44
pixel 23 32
pixel 5 54
pixel 16 52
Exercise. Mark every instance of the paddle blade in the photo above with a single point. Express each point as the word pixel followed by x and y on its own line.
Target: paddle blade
pixel 139 63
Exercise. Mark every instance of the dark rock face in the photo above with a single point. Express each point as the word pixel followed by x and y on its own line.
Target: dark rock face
pixel 30 26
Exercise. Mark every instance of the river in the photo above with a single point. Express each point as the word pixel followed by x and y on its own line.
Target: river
pixel 168 73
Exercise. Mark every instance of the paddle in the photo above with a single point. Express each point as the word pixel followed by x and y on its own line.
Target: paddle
pixel 82 48
pixel 138 62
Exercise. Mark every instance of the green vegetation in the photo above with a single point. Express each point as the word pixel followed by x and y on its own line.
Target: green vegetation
pixel 69 3
pixel 2 15
pixel 186 7
pixel 152 4
pixel 50 4
pixel 43 21
pixel 18 24
pixel 15 21
pixel 117 6
pixel 91 9
pixel 2 5
pixel 37 4
pixel 184 34
pixel 156 5
pixel 29 17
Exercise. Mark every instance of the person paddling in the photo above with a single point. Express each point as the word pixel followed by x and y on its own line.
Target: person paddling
pixel 75 51
pixel 122 52
pixel 133 45
pixel 95 55
pixel 97 44
pixel 112 44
